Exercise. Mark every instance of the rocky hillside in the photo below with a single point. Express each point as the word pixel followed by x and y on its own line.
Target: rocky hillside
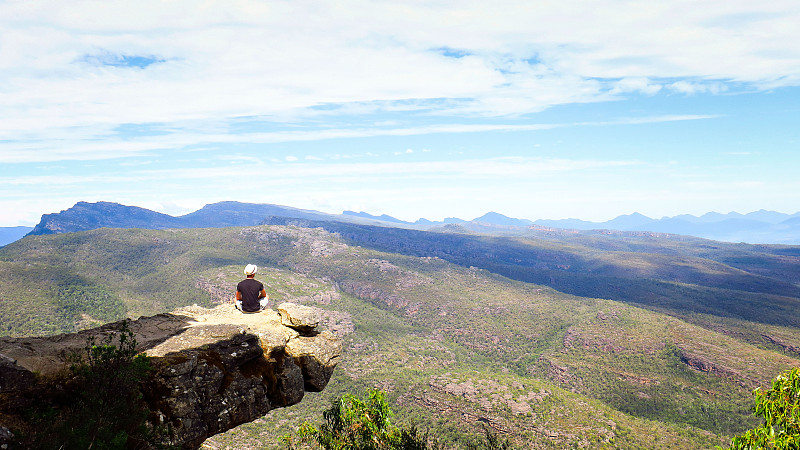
pixel 463 330
pixel 89 216
pixel 85 216
pixel 214 369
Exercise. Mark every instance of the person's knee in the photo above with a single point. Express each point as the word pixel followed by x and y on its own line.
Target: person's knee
pixel 264 301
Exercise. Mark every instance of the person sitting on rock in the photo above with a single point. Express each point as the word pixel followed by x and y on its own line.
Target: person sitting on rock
pixel 250 294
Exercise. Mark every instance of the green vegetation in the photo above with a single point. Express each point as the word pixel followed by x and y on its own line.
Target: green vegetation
pixel 358 424
pixel 101 406
pixel 453 329
pixel 779 407
pixel 365 424
pixel 675 274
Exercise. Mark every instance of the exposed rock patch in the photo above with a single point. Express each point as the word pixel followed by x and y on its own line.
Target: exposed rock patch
pixel 220 291
pixel 213 368
pixel 489 394
pixel 702 363
pixel 787 347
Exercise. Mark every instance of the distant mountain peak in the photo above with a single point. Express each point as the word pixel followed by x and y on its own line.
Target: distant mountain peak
pixel 628 222
pixel 382 217
pixel 85 216
pixel 88 216
pixel 636 215
pixel 491 215
pixel 453 220
pixel 495 218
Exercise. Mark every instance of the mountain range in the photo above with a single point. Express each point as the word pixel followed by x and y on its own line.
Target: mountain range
pixel 88 216
pixel 763 227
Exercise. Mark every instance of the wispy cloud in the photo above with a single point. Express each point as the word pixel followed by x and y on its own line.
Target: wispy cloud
pixel 483 168
pixel 72 147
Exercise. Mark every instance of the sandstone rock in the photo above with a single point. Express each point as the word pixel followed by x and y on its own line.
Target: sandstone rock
pixel 301 318
pixel 213 368
pixel 317 356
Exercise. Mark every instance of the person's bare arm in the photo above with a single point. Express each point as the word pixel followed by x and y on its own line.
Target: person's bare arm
pixel 263 294
pixel 238 295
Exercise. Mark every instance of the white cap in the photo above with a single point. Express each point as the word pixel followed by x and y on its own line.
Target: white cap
pixel 251 269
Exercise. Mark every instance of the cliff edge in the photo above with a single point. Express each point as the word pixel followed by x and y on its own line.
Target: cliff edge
pixel 214 369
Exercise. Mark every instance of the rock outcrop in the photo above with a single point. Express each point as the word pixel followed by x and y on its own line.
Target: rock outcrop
pixel 213 368
pixel 299 317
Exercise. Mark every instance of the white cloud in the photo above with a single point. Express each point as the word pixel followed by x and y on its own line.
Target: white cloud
pixel 242 58
pixel 691 88
pixel 642 85
pixel 485 168
pixel 69 146
pixel 311 71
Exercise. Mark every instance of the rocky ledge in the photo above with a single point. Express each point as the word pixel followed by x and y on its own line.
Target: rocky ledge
pixel 214 369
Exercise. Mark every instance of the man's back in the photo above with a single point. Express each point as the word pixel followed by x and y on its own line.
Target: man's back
pixel 250 289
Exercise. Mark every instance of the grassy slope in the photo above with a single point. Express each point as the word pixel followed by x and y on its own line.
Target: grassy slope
pixel 445 373
pixel 451 345
pixel 737 289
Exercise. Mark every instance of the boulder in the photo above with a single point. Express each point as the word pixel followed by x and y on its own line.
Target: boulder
pixel 301 318
pixel 214 369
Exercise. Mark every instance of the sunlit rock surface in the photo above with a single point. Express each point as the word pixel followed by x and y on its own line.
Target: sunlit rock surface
pixel 214 368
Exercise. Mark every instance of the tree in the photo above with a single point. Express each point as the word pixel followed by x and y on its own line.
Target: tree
pixel 358 424
pixel 780 408
pixel 354 423
pixel 101 405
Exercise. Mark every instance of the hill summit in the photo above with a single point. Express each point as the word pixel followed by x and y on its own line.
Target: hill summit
pixel 89 216
pixel 763 227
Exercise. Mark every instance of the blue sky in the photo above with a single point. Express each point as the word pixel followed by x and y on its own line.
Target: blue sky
pixel 575 108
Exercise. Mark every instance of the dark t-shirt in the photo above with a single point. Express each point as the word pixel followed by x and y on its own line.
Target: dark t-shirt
pixel 250 289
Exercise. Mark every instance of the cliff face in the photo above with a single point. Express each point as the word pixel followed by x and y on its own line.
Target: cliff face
pixel 213 368
pixel 89 216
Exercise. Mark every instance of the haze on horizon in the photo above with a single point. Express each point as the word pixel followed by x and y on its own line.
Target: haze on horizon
pixel 412 109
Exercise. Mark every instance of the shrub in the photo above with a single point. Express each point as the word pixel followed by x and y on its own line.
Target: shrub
pixel 353 423
pixel 101 406
pixel 358 424
pixel 780 408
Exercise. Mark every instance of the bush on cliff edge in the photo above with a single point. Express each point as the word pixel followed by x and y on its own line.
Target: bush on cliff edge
pixel 100 406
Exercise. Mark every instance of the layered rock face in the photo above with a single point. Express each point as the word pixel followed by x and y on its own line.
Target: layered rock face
pixel 213 368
